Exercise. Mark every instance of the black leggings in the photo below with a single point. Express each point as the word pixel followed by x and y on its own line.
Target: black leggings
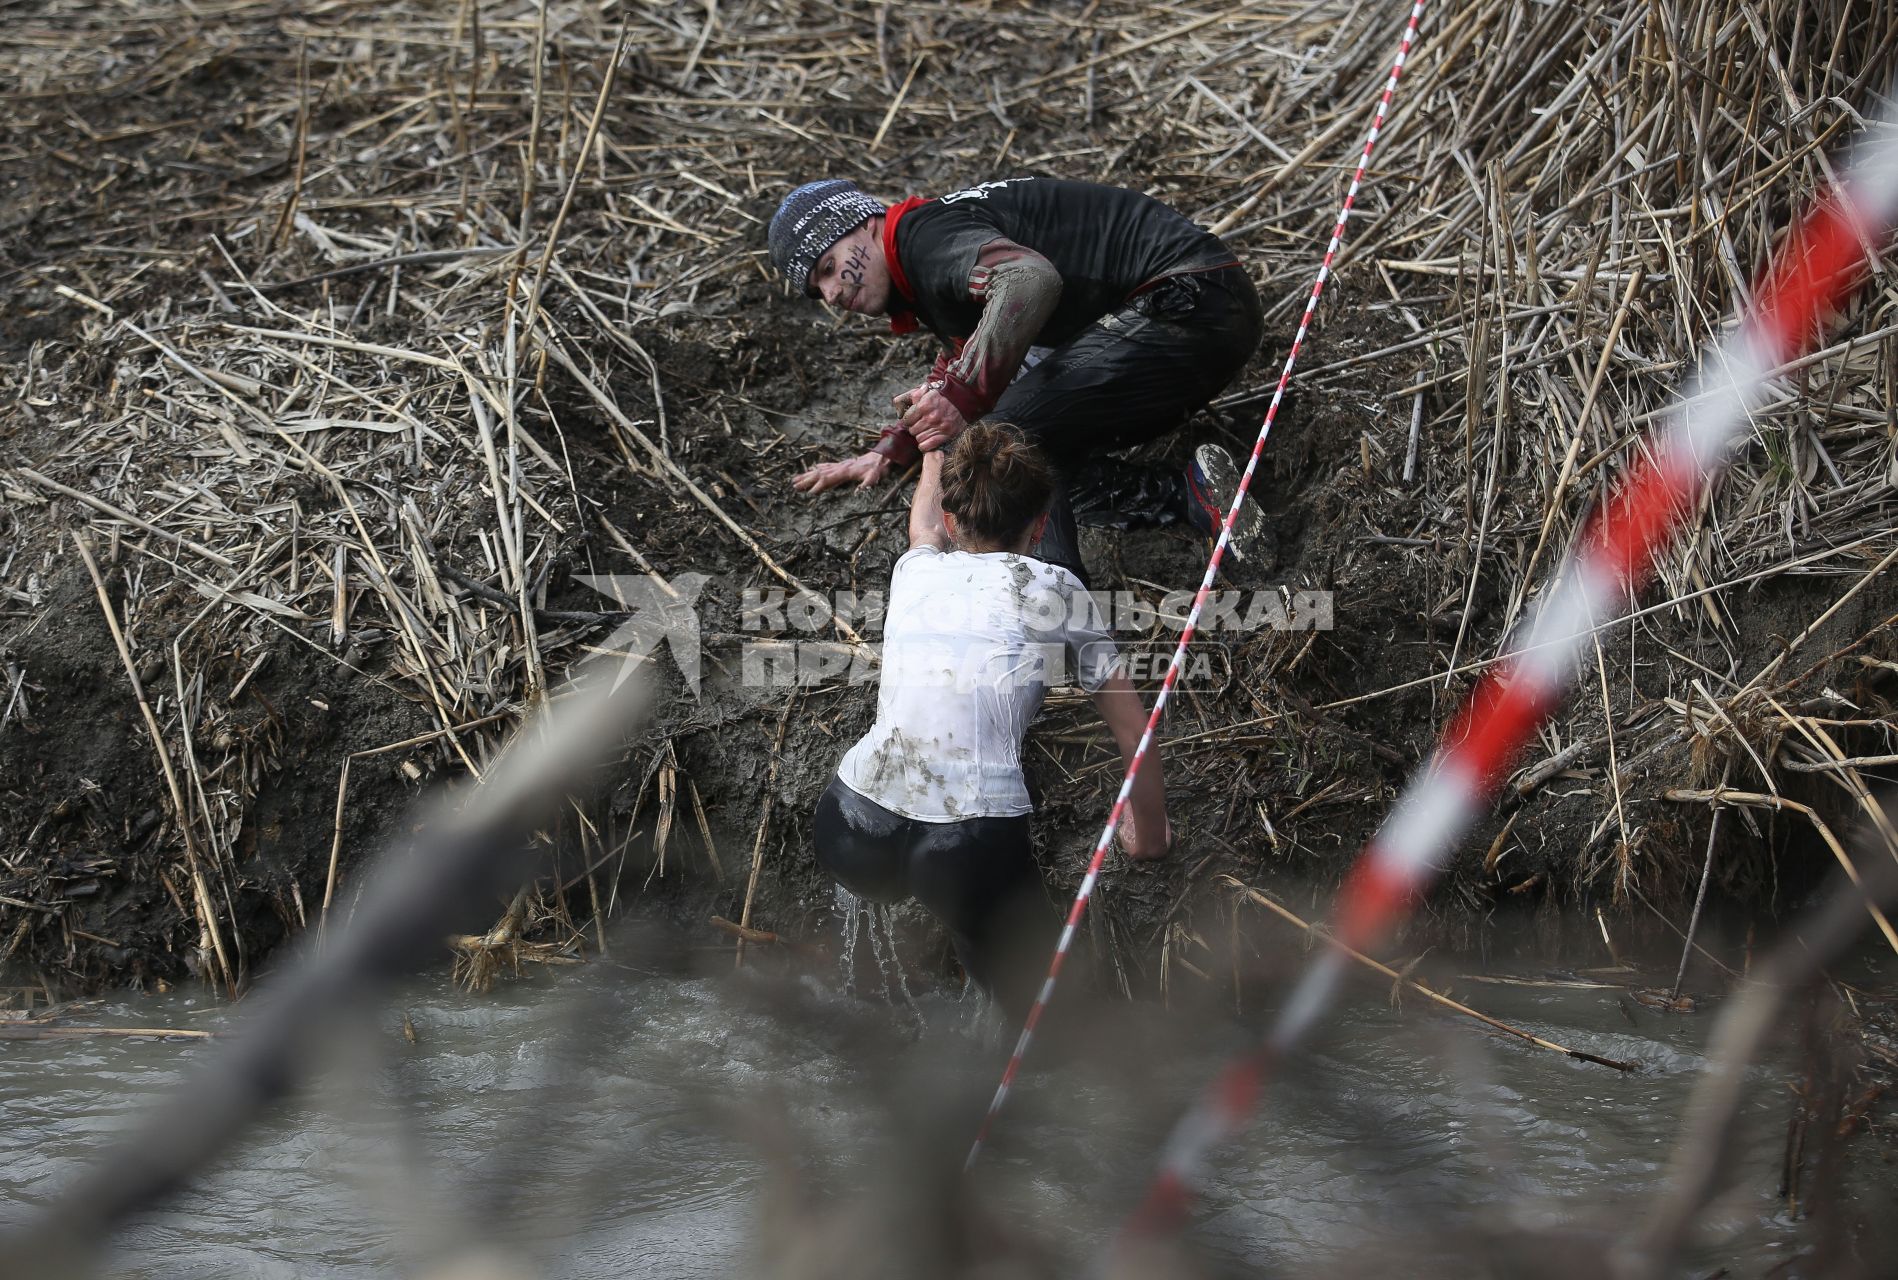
pixel 977 876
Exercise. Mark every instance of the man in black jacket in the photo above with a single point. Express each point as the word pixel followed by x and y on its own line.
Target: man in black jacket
pixel 1141 317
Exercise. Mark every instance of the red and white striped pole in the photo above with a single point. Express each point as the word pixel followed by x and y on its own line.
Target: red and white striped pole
pixel 1199 600
pixel 1815 271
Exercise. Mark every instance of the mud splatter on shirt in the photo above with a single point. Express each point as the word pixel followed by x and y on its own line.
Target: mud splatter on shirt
pixel 971 644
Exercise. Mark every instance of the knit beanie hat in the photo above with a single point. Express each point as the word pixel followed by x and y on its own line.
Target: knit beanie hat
pixel 811 220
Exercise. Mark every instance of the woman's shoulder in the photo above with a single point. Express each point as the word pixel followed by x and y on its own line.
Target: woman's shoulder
pixel 1044 574
pixel 1029 582
pixel 921 552
pixel 935 570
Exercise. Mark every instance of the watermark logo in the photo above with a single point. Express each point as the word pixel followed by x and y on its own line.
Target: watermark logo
pixel 937 665
pixel 657 610
pixel 962 646
pixel 1206 665
pixel 773 609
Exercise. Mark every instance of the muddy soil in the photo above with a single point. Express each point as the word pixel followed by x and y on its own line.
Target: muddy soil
pixel 1279 768
pixel 1279 772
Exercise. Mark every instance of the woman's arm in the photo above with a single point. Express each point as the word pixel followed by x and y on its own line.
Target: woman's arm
pixel 1144 832
pixel 926 527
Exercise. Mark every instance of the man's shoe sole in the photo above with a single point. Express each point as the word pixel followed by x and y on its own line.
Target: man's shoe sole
pixel 1222 482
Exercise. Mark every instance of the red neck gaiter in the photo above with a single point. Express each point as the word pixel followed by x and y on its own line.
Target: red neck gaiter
pixel 902 318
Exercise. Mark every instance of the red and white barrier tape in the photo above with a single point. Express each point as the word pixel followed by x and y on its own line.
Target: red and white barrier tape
pixel 1815 271
pixel 1199 599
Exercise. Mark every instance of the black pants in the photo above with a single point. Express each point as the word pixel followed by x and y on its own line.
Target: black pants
pixel 1133 376
pixel 977 876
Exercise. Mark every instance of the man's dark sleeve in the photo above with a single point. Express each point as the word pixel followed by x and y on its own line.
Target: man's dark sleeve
pixel 1018 290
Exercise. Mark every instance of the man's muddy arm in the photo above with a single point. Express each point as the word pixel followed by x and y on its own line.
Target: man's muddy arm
pixel 1018 290
pixel 863 471
pixel 926 526
pixel 896 443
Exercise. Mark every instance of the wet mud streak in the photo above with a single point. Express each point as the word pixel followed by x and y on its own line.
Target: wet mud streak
pixel 1021 577
pixel 900 769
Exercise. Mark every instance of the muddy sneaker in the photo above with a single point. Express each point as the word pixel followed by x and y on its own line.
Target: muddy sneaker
pixel 1212 479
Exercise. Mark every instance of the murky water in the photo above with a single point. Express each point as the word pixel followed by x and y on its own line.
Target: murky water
pixel 610 1121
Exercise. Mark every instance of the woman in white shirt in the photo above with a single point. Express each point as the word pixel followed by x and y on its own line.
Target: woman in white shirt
pixel 931 803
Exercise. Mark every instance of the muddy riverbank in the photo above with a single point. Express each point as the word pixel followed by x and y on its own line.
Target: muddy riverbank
pixel 271 360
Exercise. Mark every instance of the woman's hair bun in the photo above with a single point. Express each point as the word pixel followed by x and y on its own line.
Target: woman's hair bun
pixel 995 482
